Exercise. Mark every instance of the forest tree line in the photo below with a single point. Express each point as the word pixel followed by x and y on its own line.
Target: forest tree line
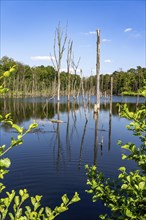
pixel 42 81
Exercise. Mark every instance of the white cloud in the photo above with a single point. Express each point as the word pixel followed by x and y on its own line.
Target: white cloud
pixel 128 29
pixel 92 32
pixel 89 33
pixel 107 61
pixel 105 40
pixel 42 58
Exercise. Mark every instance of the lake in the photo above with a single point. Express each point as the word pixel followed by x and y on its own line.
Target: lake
pixel 52 158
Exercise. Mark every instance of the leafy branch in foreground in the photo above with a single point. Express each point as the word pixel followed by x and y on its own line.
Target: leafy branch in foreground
pixel 126 196
pixel 11 199
pixel 35 211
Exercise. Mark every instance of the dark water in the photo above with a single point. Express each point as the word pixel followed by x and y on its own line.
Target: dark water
pixel 51 161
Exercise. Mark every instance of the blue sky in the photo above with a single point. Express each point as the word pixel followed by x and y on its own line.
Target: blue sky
pixel 28 27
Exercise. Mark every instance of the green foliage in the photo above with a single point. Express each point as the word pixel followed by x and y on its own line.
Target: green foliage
pixel 42 80
pixel 17 201
pixel 126 196
pixel 138 126
pixel 33 81
pixel 35 210
pixel 140 92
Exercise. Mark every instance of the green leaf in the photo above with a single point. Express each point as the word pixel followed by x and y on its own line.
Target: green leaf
pixel 33 215
pixel 126 146
pixel 90 191
pixel 12 69
pixel 119 142
pixel 144 93
pixel 129 213
pixel 28 209
pixel 19 136
pixel 48 211
pixel 5 163
pixel 86 166
pixel 32 126
pixel 36 206
pixel 38 198
pixel 19 213
pixel 33 201
pixel 41 211
pixel 2 187
pixel 142 185
pixel 2 149
pixel 103 216
pixel 123 169
pixel 16 142
pixel 6 73
pixel 4 90
pixel 17 200
pixel 11 216
pixel 65 199
pixel 62 209
pixel 25 196
pixel 7 115
pixel 75 198
pixel 129 178
pixel 121 175
pixel 17 128
pixel 21 193
pixel 124 156
pixel 124 186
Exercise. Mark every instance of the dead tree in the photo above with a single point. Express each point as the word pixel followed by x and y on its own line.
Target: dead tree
pixel 75 68
pixel 59 47
pixel 110 114
pixel 97 105
pixel 111 96
pixel 82 142
pixel 68 61
pixel 96 118
pixel 83 95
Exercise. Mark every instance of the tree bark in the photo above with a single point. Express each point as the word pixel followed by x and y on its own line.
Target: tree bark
pixel 97 107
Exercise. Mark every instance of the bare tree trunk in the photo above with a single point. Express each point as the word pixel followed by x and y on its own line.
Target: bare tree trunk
pixel 33 82
pixel 74 87
pixel 58 133
pixel 68 130
pixel 110 115
pixel 68 60
pixel 83 96
pixel 58 88
pixel 23 83
pixel 75 68
pixel 54 87
pixel 82 142
pixel 96 118
pixel 111 96
pixel 17 84
pixel 59 47
pixel 97 106
pixel 14 86
pixel 91 85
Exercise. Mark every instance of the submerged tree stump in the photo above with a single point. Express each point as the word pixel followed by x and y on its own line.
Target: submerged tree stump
pixel 56 121
pixel 96 108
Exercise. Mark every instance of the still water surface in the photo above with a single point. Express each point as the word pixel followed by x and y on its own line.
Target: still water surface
pixel 52 158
